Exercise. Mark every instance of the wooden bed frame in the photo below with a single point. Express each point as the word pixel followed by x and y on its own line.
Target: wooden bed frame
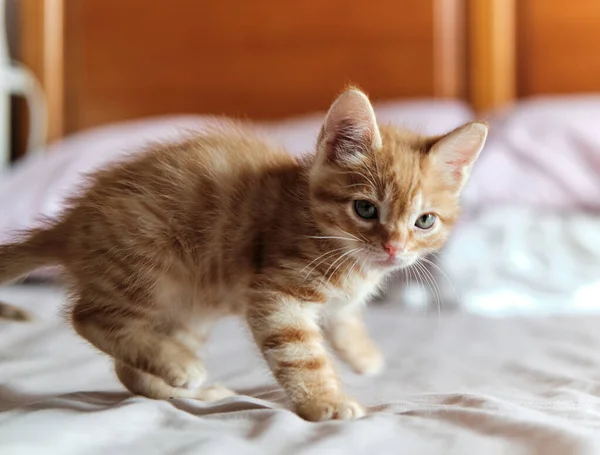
pixel 104 61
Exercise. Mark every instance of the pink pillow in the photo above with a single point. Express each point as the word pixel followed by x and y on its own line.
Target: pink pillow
pixel 543 153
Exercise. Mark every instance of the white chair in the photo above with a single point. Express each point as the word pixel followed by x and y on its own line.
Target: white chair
pixel 17 80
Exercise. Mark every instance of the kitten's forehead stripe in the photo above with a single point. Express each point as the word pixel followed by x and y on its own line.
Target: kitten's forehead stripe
pixel 418 202
pixel 401 160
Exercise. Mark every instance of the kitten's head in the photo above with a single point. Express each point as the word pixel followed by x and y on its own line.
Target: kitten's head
pixel 388 195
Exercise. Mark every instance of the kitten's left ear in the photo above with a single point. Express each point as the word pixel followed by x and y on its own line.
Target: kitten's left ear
pixel 454 154
pixel 350 129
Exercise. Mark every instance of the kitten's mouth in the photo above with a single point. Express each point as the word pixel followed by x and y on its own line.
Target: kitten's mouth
pixel 392 262
pixel 388 262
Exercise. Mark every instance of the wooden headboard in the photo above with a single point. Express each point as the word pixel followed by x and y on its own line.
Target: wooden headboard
pixel 559 47
pixel 529 48
pixel 109 60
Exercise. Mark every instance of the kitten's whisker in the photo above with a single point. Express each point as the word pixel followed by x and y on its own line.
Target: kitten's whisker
pixel 419 278
pixel 428 292
pixel 410 274
pixel 413 275
pixel 443 274
pixel 362 237
pixel 347 277
pixel 335 262
pixel 314 267
pixel 341 256
pixel 439 292
pixel 337 268
pixel 405 272
pixel 350 271
pixel 319 257
pixel 331 237
pixel 422 271
pixel 433 286
pixel 348 234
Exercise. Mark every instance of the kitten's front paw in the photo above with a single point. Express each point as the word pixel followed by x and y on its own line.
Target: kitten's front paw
pixel 187 374
pixel 214 392
pixel 368 363
pixel 338 408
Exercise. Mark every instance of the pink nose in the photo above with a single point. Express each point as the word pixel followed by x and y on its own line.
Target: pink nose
pixel 392 248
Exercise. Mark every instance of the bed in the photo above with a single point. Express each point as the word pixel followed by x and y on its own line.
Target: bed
pixel 454 384
pixel 506 361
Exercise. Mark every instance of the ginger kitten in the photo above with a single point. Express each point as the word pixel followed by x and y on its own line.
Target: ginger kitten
pixel 159 247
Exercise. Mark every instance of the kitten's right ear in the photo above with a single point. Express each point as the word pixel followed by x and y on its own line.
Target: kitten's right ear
pixel 350 129
pixel 454 154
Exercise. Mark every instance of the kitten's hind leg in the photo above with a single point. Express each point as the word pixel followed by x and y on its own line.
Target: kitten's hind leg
pixel 141 383
pixel 130 337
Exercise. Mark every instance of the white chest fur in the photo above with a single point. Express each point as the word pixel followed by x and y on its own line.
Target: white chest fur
pixel 356 292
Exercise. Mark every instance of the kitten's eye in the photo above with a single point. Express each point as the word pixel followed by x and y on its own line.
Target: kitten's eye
pixel 365 209
pixel 425 221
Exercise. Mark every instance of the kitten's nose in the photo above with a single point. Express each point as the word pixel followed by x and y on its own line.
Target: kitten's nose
pixel 393 248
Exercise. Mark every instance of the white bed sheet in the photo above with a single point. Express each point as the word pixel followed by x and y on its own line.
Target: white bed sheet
pixel 455 384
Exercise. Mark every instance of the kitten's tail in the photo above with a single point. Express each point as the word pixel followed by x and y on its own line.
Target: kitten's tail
pixel 41 247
